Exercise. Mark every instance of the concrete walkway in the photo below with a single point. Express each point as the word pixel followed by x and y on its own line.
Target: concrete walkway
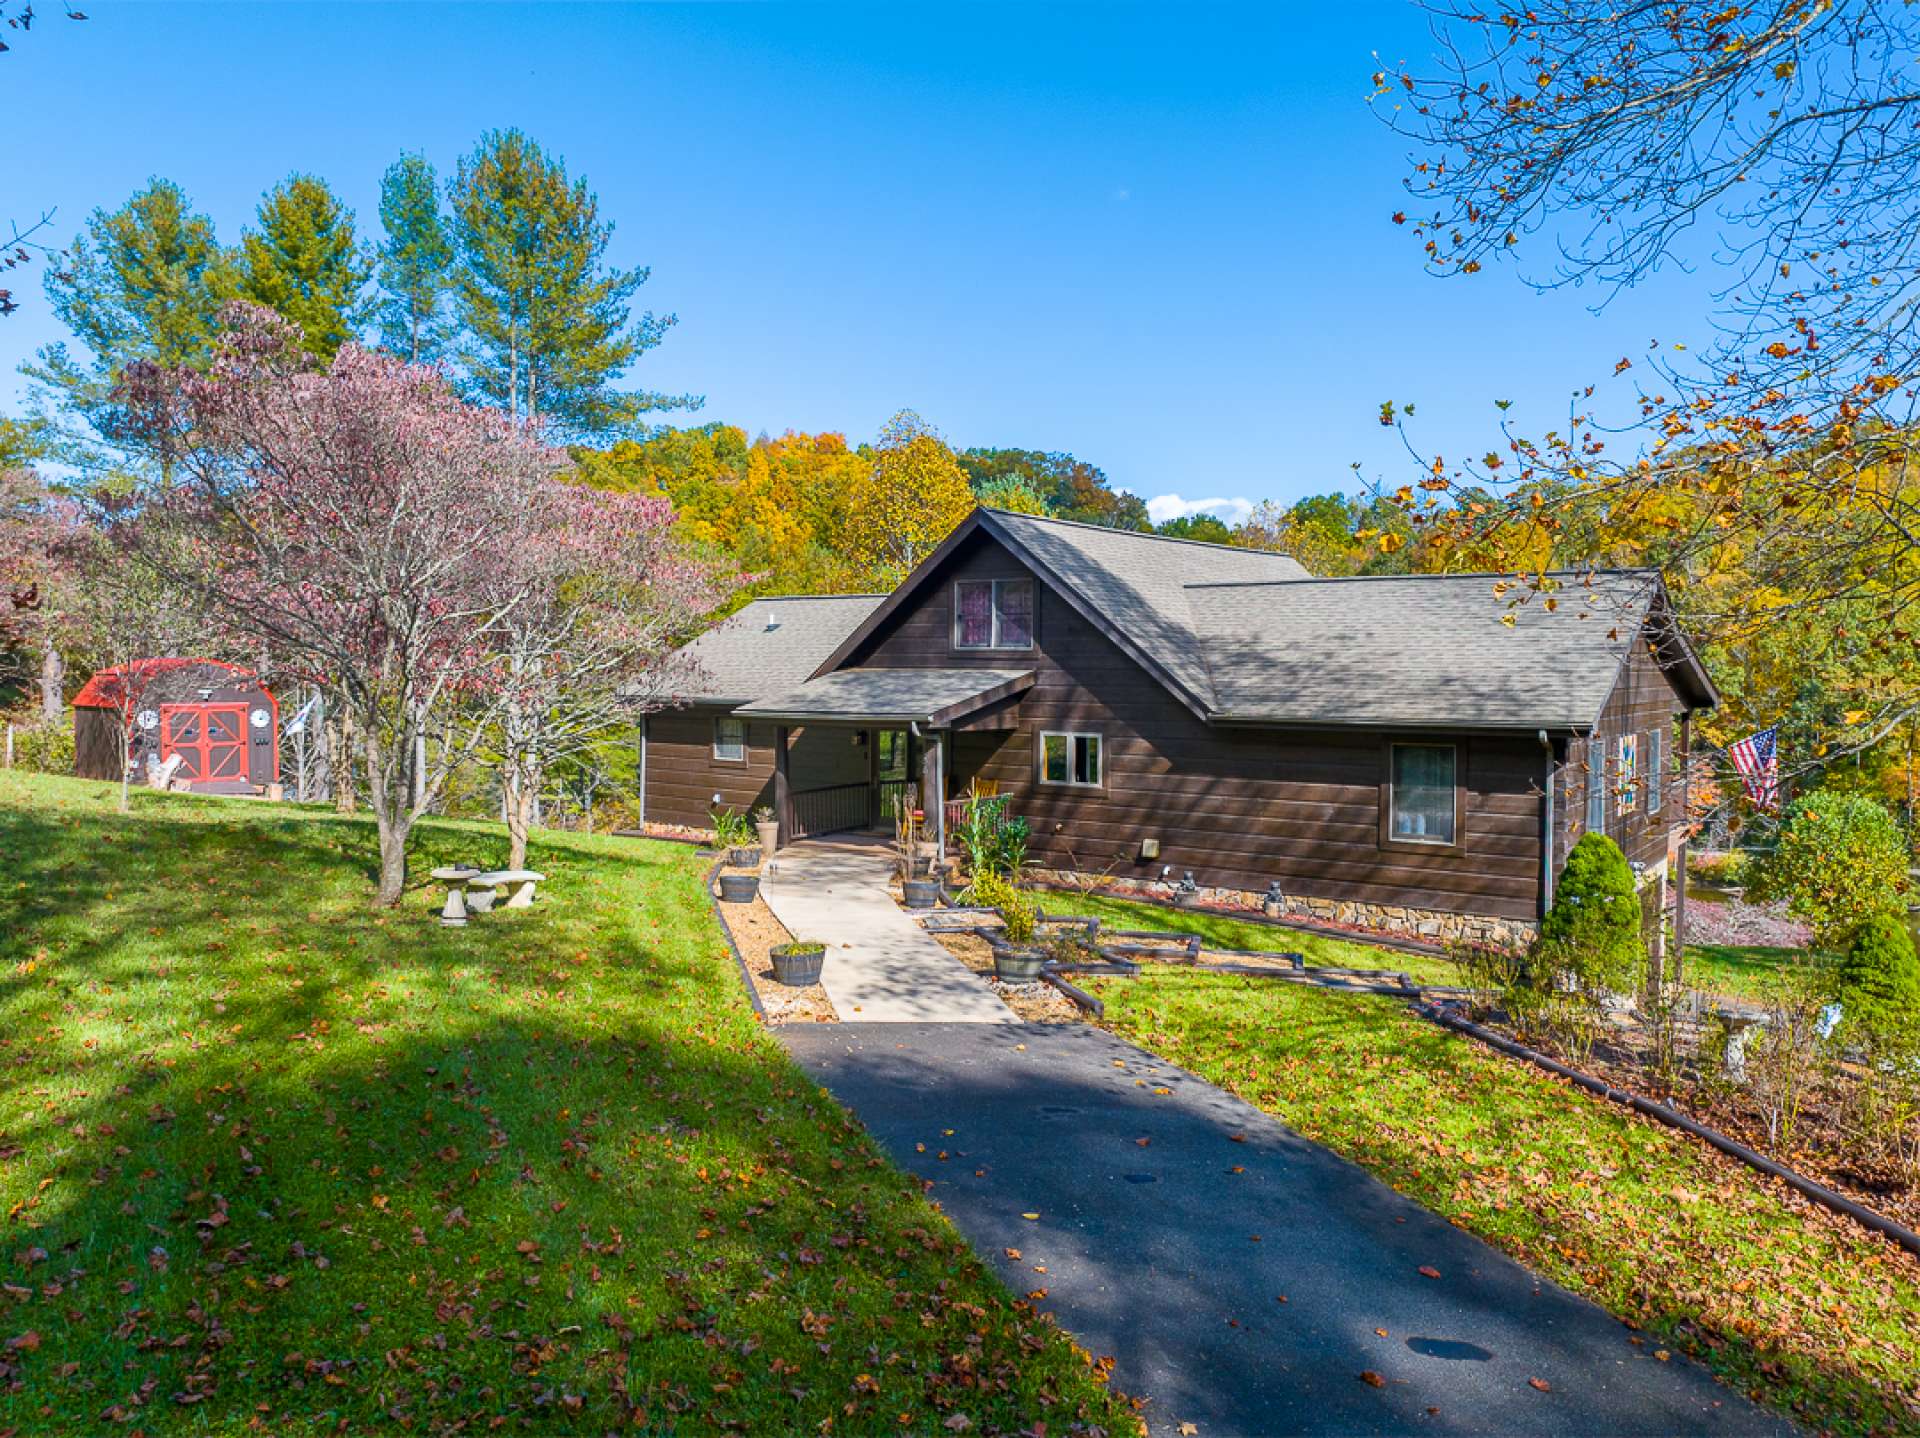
pixel 1238 1274
pixel 881 967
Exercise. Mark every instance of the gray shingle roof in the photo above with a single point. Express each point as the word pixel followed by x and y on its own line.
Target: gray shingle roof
pixel 896 695
pixel 773 644
pixel 1139 582
pixel 1419 650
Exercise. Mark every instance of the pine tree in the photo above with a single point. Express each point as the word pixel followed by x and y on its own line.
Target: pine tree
pixel 416 262
pixel 143 282
pixel 547 318
pixel 305 263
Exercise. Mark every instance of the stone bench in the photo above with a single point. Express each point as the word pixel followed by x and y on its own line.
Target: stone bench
pixel 474 890
pixel 519 884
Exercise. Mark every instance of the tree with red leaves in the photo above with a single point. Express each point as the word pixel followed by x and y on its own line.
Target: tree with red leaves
pixel 362 525
pixel 607 592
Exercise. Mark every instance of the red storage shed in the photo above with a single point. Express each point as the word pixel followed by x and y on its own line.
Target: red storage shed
pixel 219 719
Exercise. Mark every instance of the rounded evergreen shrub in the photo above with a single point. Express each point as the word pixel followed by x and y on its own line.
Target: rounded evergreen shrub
pixel 1879 981
pixel 1592 933
pixel 1840 861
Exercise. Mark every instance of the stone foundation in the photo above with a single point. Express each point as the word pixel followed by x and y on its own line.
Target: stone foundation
pixel 1427 925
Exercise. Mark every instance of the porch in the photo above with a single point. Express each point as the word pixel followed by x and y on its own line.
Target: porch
pixel 868 735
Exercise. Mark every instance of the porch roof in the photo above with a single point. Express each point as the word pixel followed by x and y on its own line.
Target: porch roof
pixel 933 697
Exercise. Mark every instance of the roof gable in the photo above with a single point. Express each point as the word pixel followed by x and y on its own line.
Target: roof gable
pixel 1130 586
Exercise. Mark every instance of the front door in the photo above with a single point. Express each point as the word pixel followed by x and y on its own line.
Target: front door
pixel 211 740
pixel 890 771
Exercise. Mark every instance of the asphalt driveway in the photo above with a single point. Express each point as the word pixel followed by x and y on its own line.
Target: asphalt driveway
pixel 1238 1274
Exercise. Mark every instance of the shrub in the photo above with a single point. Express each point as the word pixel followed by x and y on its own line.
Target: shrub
pixel 1591 935
pixel 732 831
pixel 1878 983
pixel 992 840
pixel 1016 909
pixel 45 748
pixel 1840 861
pixel 1730 867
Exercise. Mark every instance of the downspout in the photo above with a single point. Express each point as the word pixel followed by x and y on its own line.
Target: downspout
pixel 643 771
pixel 1546 849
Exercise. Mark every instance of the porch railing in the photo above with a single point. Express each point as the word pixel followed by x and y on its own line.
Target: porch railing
pixel 828 809
pixel 890 792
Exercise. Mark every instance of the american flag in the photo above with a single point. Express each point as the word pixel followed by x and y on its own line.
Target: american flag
pixel 1757 757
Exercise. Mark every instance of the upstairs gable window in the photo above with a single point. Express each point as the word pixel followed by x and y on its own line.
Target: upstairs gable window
pixel 1627 773
pixel 993 614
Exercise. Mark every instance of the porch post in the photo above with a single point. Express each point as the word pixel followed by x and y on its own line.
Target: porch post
pixel 1680 855
pixel 933 798
pixel 782 789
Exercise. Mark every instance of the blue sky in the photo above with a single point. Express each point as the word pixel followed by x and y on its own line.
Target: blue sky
pixel 1155 236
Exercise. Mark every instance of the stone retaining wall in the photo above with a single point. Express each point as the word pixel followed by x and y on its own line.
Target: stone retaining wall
pixel 1429 925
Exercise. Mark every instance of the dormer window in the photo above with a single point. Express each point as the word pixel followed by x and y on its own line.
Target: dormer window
pixel 993 614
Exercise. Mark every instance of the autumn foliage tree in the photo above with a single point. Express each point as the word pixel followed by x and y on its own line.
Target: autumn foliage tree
pixel 605 593
pixel 350 523
pixel 907 502
pixel 1769 462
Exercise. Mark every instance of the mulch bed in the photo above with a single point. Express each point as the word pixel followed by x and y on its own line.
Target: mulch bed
pixel 1734 922
pixel 756 931
pixel 1818 1147
pixel 1037 1003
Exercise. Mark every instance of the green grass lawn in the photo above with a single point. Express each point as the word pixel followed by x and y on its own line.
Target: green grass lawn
pixel 1803 1310
pixel 1743 971
pixel 1229 933
pixel 274 1160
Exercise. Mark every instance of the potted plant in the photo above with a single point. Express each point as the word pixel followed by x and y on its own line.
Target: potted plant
pixel 732 832
pixel 768 828
pixel 737 887
pixel 1016 958
pixel 798 963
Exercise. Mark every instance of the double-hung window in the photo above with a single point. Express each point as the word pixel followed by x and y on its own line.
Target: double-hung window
pixel 993 614
pixel 1074 759
pixel 1422 794
pixel 1596 785
pixel 1627 776
pixel 1656 772
pixel 730 740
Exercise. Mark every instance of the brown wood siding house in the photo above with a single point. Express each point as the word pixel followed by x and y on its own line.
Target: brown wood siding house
pixel 1163 711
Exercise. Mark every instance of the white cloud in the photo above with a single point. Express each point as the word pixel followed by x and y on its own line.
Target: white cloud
pixel 1163 507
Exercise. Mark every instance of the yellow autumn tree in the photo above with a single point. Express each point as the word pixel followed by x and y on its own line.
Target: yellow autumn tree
pixel 909 499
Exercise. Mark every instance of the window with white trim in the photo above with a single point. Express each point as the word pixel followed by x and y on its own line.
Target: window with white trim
pixel 1626 786
pixel 1422 794
pixel 1596 785
pixel 1077 760
pixel 993 614
pixel 1656 772
pixel 730 740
